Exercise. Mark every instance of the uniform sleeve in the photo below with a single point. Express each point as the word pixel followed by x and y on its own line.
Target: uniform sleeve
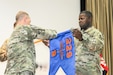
pixel 93 43
pixel 44 34
pixel 3 51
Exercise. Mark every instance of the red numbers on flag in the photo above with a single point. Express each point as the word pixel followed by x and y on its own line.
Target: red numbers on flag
pixel 68 47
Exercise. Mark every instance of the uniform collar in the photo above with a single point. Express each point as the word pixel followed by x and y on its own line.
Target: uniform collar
pixel 89 29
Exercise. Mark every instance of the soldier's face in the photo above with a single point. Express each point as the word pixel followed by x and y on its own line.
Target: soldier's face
pixel 27 20
pixel 83 21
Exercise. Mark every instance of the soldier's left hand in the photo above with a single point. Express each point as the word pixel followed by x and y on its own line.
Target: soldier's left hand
pixel 46 42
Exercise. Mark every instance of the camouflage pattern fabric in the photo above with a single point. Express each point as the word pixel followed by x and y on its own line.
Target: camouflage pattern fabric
pixel 21 51
pixel 88 51
pixel 26 73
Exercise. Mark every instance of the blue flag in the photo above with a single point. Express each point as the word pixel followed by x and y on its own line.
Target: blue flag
pixel 62 53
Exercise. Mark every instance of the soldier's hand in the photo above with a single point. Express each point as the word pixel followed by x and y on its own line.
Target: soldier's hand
pixel 77 34
pixel 46 42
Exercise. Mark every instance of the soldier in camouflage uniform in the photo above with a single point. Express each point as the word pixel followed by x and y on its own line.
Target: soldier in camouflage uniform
pixel 89 43
pixel 21 51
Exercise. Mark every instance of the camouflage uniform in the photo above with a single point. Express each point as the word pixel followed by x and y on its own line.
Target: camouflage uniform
pixel 88 51
pixel 21 51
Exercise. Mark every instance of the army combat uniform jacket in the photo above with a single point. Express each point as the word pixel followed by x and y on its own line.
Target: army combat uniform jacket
pixel 21 51
pixel 88 51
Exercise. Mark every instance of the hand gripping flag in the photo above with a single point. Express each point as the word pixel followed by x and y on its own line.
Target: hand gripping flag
pixel 62 53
